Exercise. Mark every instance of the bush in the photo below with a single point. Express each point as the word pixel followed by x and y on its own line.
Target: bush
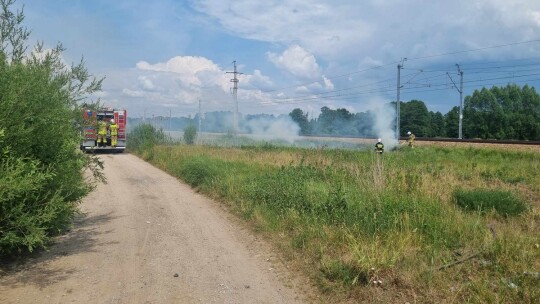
pixel 41 167
pixel 144 137
pixel 484 200
pixel 198 170
pixel 190 133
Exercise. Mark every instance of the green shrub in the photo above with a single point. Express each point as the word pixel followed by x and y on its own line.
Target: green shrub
pixel 190 133
pixel 41 167
pixel 484 200
pixel 144 137
pixel 198 170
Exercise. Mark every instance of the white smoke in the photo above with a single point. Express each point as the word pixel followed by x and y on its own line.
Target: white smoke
pixel 281 128
pixel 384 115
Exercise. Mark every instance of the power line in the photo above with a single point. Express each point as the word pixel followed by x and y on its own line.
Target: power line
pixel 475 50
pixel 408 90
pixel 410 59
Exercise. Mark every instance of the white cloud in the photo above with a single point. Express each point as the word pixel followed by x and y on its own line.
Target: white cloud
pixel 190 70
pixel 328 83
pixel 146 83
pixel 257 80
pixel 132 93
pixel 297 61
pixel 179 84
pixel 384 31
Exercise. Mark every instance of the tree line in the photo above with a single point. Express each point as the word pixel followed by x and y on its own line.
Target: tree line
pixel 509 112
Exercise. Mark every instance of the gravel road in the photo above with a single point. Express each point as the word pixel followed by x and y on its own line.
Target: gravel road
pixel 145 237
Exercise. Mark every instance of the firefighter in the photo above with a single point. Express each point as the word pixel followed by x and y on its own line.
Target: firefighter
pixel 102 133
pixel 379 147
pixel 411 139
pixel 113 127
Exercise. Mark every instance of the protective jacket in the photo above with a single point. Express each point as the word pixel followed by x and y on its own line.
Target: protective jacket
pixel 102 128
pixel 113 128
pixel 379 147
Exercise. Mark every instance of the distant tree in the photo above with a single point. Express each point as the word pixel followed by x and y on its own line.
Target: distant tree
pixel 485 116
pixel 336 122
pixel 509 112
pixel 437 125
pixel 298 116
pixel 415 118
pixel 452 122
pixel 190 133
pixel 217 121
pixel 326 121
pixel 363 124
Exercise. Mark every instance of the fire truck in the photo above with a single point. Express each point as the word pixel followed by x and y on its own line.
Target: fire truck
pixel 91 117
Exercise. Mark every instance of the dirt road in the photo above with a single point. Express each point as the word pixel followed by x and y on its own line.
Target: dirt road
pixel 145 237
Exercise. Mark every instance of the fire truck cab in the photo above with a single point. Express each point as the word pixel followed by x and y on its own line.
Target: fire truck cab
pixel 90 129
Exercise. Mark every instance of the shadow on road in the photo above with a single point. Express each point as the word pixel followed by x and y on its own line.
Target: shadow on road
pixel 36 268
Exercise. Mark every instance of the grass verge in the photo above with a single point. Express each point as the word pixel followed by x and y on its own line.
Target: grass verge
pixel 385 230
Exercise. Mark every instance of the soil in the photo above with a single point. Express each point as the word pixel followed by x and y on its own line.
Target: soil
pixel 145 237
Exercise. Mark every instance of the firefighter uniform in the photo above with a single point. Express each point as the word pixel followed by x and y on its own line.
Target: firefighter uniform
pixel 379 147
pixel 411 139
pixel 113 127
pixel 102 133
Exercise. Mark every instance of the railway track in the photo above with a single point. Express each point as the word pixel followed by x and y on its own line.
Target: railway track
pixel 437 139
pixel 479 141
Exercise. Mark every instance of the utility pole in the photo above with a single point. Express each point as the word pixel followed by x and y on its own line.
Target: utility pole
pixel 399 67
pixel 460 90
pixel 200 114
pixel 170 118
pixel 460 102
pixel 235 94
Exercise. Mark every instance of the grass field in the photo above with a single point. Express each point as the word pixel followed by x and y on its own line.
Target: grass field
pixel 433 224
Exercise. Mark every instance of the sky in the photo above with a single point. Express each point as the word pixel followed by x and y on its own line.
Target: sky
pixel 165 57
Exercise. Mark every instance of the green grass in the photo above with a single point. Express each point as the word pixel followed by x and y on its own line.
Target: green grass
pixel 503 202
pixel 346 219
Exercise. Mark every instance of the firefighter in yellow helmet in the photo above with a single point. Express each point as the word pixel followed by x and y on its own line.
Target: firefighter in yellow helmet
pixel 113 127
pixel 379 147
pixel 102 133
pixel 411 139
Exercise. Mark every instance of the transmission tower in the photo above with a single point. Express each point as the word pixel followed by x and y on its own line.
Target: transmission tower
pixel 235 95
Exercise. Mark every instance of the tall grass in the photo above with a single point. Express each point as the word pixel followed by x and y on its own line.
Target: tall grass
pixel 351 230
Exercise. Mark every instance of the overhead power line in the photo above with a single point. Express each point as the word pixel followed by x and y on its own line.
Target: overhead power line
pixel 409 59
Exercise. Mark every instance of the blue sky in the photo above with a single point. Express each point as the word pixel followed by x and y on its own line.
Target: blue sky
pixel 161 57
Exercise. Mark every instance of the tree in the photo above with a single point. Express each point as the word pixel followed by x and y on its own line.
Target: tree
pixel 415 118
pixel 452 122
pixel 508 112
pixel 41 168
pixel 298 116
pixel 437 125
pixel 190 133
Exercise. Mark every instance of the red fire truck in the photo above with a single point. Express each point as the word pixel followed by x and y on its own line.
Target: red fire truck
pixel 90 129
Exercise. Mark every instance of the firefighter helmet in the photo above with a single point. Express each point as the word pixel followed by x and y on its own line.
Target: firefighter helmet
pixel 409 133
pixel 112 121
pixel 379 139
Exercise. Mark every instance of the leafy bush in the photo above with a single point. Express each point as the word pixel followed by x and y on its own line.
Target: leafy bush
pixel 190 133
pixel 484 200
pixel 144 137
pixel 41 168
